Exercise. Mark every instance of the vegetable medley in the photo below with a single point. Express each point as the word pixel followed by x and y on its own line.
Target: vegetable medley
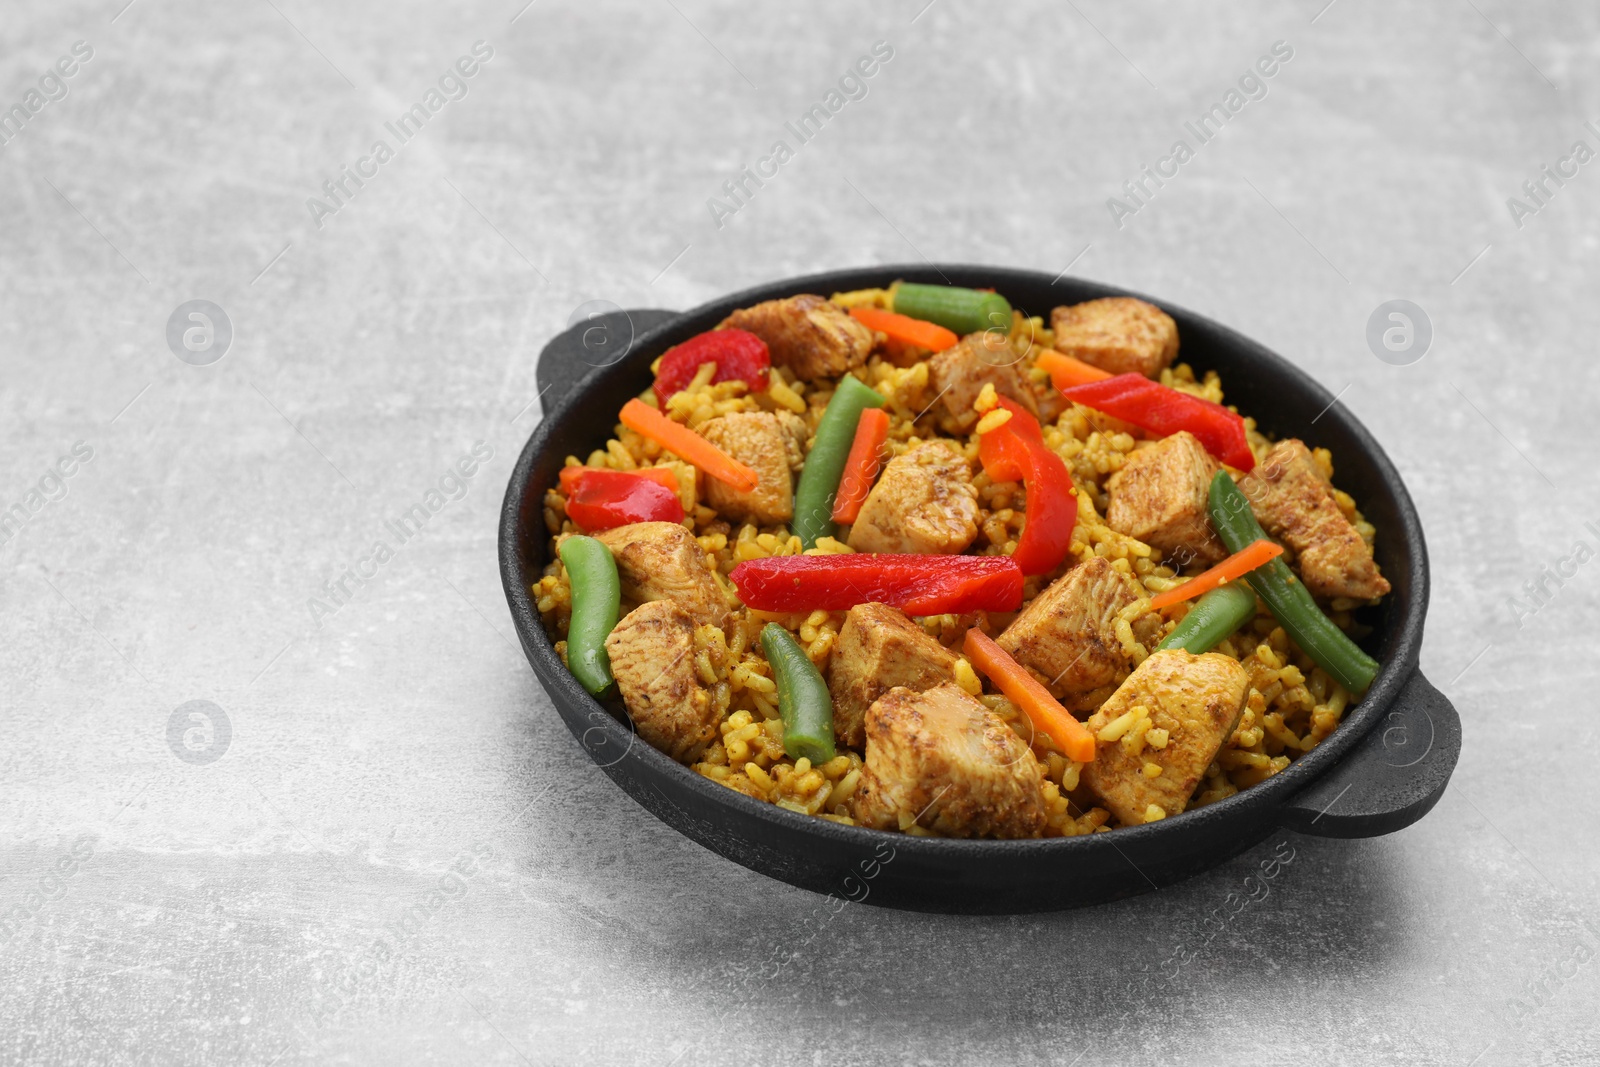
pixel 909 559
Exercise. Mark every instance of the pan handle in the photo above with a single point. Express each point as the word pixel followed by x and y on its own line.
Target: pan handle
pixel 586 346
pixel 1393 776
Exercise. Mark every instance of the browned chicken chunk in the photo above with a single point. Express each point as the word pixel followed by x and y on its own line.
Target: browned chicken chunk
pixel 960 373
pixel 663 561
pixel 761 441
pixel 879 648
pixel 943 760
pixel 1294 501
pixel 652 657
pixel 1068 634
pixel 1160 731
pixel 807 334
pixel 1118 334
pixel 924 502
pixel 1160 497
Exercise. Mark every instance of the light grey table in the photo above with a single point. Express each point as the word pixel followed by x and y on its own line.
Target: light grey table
pixel 385 847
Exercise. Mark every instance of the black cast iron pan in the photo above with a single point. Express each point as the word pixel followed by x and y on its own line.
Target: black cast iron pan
pixel 1381 770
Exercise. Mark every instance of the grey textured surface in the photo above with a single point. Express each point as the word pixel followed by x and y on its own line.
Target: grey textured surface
pixel 292 902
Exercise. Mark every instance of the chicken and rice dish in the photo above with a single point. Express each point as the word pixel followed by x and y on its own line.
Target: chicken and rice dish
pixel 912 560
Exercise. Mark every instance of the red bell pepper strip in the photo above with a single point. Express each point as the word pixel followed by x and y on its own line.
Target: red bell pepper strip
pixel 738 354
pixel 571 476
pixel 604 499
pixel 1159 409
pixel 916 584
pixel 1015 451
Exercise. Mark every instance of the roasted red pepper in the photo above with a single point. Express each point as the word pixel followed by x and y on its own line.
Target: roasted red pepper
pixel 1014 452
pixel 599 499
pixel 739 355
pixel 1154 407
pixel 918 585
pixel 571 476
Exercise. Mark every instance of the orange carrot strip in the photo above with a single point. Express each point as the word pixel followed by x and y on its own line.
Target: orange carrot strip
pixel 1026 692
pixel 1065 372
pixel 904 328
pixel 570 476
pixel 1242 562
pixel 687 445
pixel 861 466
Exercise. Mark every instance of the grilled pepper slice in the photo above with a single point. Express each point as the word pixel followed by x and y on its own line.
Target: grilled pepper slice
pixel 916 584
pixel 600 499
pixel 1015 451
pixel 1159 409
pixel 738 354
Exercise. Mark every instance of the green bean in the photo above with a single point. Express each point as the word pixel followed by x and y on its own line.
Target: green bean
pixel 1213 617
pixel 819 480
pixel 1286 596
pixel 803 698
pixel 962 310
pixel 596 600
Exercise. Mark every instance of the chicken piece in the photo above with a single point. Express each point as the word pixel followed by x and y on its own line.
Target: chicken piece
pixel 1118 334
pixel 924 502
pixel 795 436
pixel 663 561
pixel 959 374
pixel 1068 634
pixel 1294 501
pixel 808 335
pixel 1160 497
pixel 652 657
pixel 1197 700
pixel 946 762
pixel 757 439
pixel 879 648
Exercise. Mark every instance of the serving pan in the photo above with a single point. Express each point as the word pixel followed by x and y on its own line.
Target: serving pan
pixel 1381 770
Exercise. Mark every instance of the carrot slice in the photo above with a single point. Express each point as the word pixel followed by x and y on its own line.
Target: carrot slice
pixel 683 442
pixel 570 476
pixel 1065 372
pixel 1242 562
pixel 904 328
pixel 861 466
pixel 1027 693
